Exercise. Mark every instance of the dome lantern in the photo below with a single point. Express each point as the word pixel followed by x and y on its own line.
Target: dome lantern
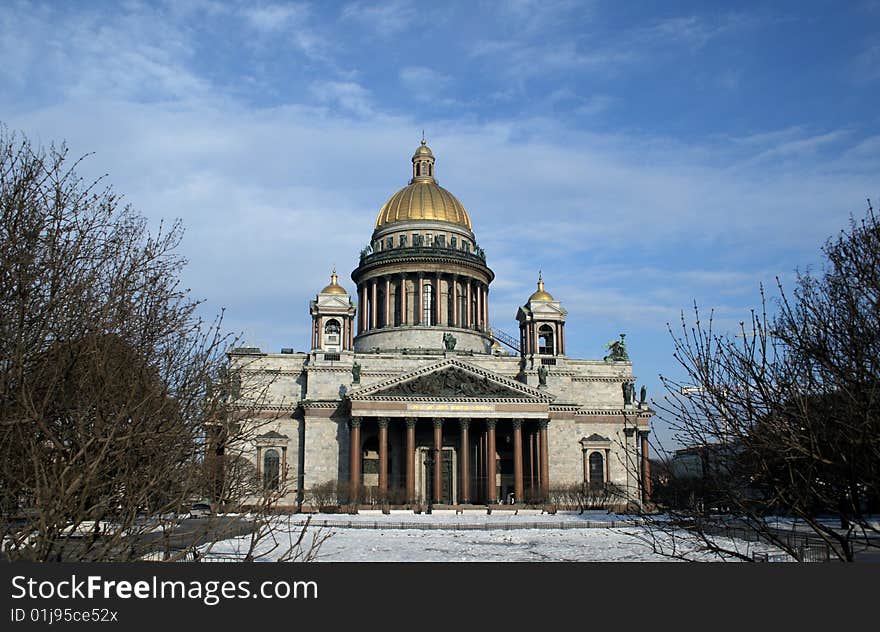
pixel 423 164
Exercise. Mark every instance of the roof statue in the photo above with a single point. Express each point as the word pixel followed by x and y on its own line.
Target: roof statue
pixel 617 350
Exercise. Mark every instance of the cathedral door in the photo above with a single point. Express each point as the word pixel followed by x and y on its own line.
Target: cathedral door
pixel 446 482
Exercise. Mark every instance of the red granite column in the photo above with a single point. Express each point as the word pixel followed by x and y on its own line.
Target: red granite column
pixel 438 303
pixel 362 309
pixel 539 470
pixel 403 306
pixel 545 460
pixel 438 459
pixel 486 307
pixel 464 456
pixel 383 456
pixel 517 461
pixel 491 467
pixel 388 315
pixel 410 460
pixel 532 463
pixel 354 460
pixel 481 459
pixel 374 311
pixel 646 468
pixel 478 320
pixel 417 300
pixel 320 331
pixel 466 320
pixel 454 292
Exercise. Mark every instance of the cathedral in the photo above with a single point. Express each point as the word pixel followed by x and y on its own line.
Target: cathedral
pixel 408 395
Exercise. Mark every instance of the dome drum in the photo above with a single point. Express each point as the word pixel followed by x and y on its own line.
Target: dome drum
pixel 418 339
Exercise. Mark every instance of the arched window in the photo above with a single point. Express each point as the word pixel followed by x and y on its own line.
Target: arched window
pixel 428 304
pixel 430 169
pixel 271 470
pixel 545 339
pixel 332 327
pixel 418 169
pixel 597 468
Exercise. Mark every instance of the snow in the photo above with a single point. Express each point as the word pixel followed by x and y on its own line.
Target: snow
pixel 470 537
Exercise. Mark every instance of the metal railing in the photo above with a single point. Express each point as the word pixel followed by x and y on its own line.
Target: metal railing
pixel 472 526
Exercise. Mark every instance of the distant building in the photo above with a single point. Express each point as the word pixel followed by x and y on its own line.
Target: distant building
pixel 414 369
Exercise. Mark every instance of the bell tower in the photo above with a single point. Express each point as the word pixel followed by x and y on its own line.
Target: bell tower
pixel 332 318
pixel 541 324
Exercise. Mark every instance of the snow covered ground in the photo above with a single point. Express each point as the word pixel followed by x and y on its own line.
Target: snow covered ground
pixel 471 537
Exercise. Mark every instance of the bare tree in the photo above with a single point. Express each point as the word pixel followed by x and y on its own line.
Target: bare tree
pixel 112 389
pixel 782 420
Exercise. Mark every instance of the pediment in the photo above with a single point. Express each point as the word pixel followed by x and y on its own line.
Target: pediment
pixel 333 301
pixel 548 308
pixel 542 311
pixel 451 380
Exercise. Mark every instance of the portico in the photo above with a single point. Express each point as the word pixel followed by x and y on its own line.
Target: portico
pixel 452 432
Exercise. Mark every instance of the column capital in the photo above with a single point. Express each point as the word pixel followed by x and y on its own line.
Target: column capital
pixel 517 423
pixel 543 423
pixel 410 422
pixel 464 423
pixel 490 423
pixel 356 422
pixel 383 422
pixel 438 422
pixel 644 433
pixel 629 431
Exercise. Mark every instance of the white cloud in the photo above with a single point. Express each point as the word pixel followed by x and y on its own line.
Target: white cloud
pixel 384 19
pixel 348 95
pixel 866 66
pixel 273 17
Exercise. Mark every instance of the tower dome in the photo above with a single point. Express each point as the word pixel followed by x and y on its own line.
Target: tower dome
pixel 334 287
pixel 541 294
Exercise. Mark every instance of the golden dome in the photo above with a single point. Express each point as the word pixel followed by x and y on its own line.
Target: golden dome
pixel 423 200
pixel 334 287
pixel 541 294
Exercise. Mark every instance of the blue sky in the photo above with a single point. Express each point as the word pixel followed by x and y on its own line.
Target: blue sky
pixel 643 156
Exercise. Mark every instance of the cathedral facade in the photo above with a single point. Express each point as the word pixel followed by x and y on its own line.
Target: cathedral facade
pixel 408 395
